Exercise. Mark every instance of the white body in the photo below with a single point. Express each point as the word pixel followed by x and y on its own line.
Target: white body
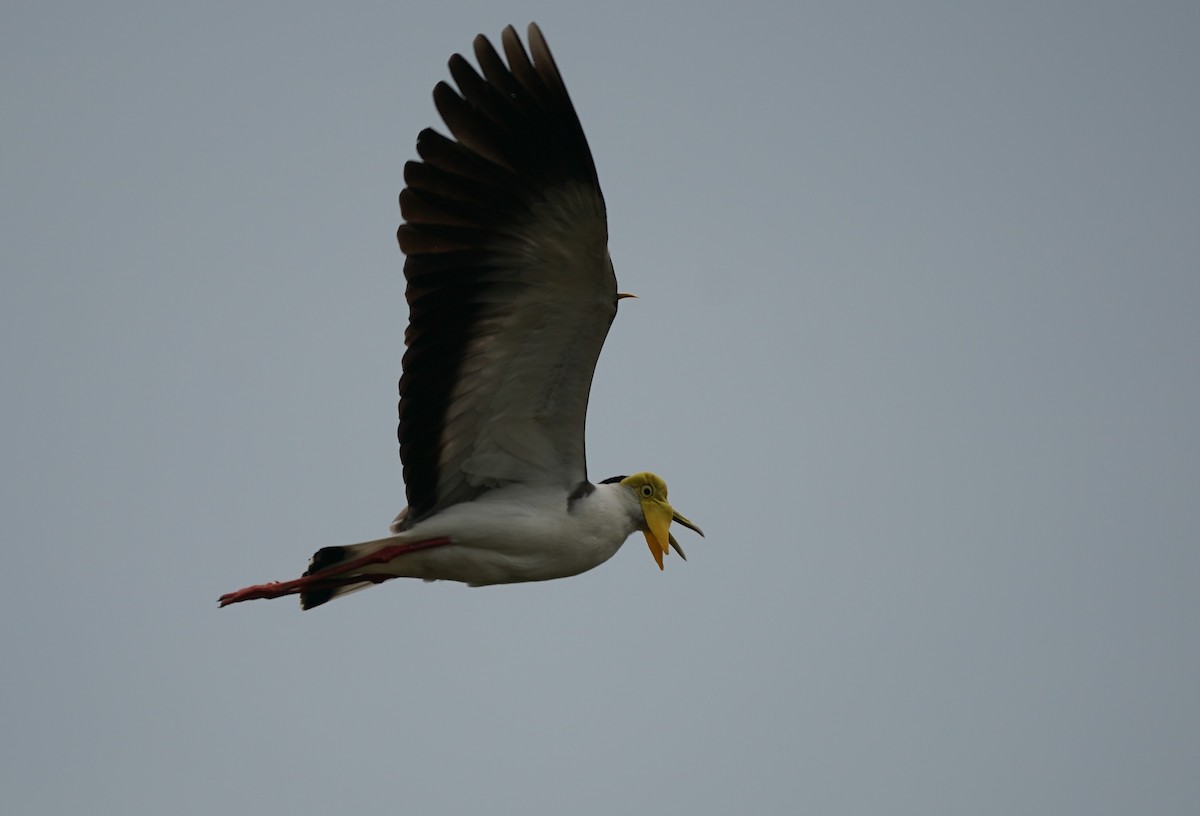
pixel 515 533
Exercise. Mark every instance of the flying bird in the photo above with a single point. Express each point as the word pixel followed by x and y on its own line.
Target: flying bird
pixel 511 292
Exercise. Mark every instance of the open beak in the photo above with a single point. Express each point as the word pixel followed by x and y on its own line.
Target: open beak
pixel 659 516
pixel 675 546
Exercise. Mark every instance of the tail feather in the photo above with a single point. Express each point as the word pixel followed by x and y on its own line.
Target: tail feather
pixel 321 560
pixel 337 571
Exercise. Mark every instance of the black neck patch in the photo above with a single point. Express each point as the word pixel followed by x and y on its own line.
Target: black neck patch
pixel 585 488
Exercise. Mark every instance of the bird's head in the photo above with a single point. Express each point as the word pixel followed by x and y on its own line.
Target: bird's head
pixel 651 492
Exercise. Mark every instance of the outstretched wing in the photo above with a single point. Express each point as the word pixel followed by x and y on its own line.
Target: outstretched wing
pixel 510 287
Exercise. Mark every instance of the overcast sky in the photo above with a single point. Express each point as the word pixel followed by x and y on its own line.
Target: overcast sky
pixel 916 343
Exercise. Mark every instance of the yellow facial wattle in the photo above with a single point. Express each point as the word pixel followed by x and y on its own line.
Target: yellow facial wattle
pixel 658 513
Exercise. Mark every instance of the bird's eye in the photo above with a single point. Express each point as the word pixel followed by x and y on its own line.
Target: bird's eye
pixel 647 491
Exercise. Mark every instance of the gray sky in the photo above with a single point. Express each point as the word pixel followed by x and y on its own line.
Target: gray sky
pixel 915 343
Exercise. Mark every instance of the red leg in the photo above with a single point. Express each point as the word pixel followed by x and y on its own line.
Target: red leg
pixel 333 576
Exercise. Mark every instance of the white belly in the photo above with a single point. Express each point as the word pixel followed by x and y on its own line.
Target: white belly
pixel 515 534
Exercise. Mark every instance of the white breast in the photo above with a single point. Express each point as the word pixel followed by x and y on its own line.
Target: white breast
pixel 520 533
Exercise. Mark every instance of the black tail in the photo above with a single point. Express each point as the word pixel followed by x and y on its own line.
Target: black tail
pixel 322 559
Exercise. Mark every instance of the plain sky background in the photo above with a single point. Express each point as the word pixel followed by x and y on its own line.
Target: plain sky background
pixel 916 343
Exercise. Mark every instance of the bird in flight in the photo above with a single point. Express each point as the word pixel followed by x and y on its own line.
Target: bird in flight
pixel 510 292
